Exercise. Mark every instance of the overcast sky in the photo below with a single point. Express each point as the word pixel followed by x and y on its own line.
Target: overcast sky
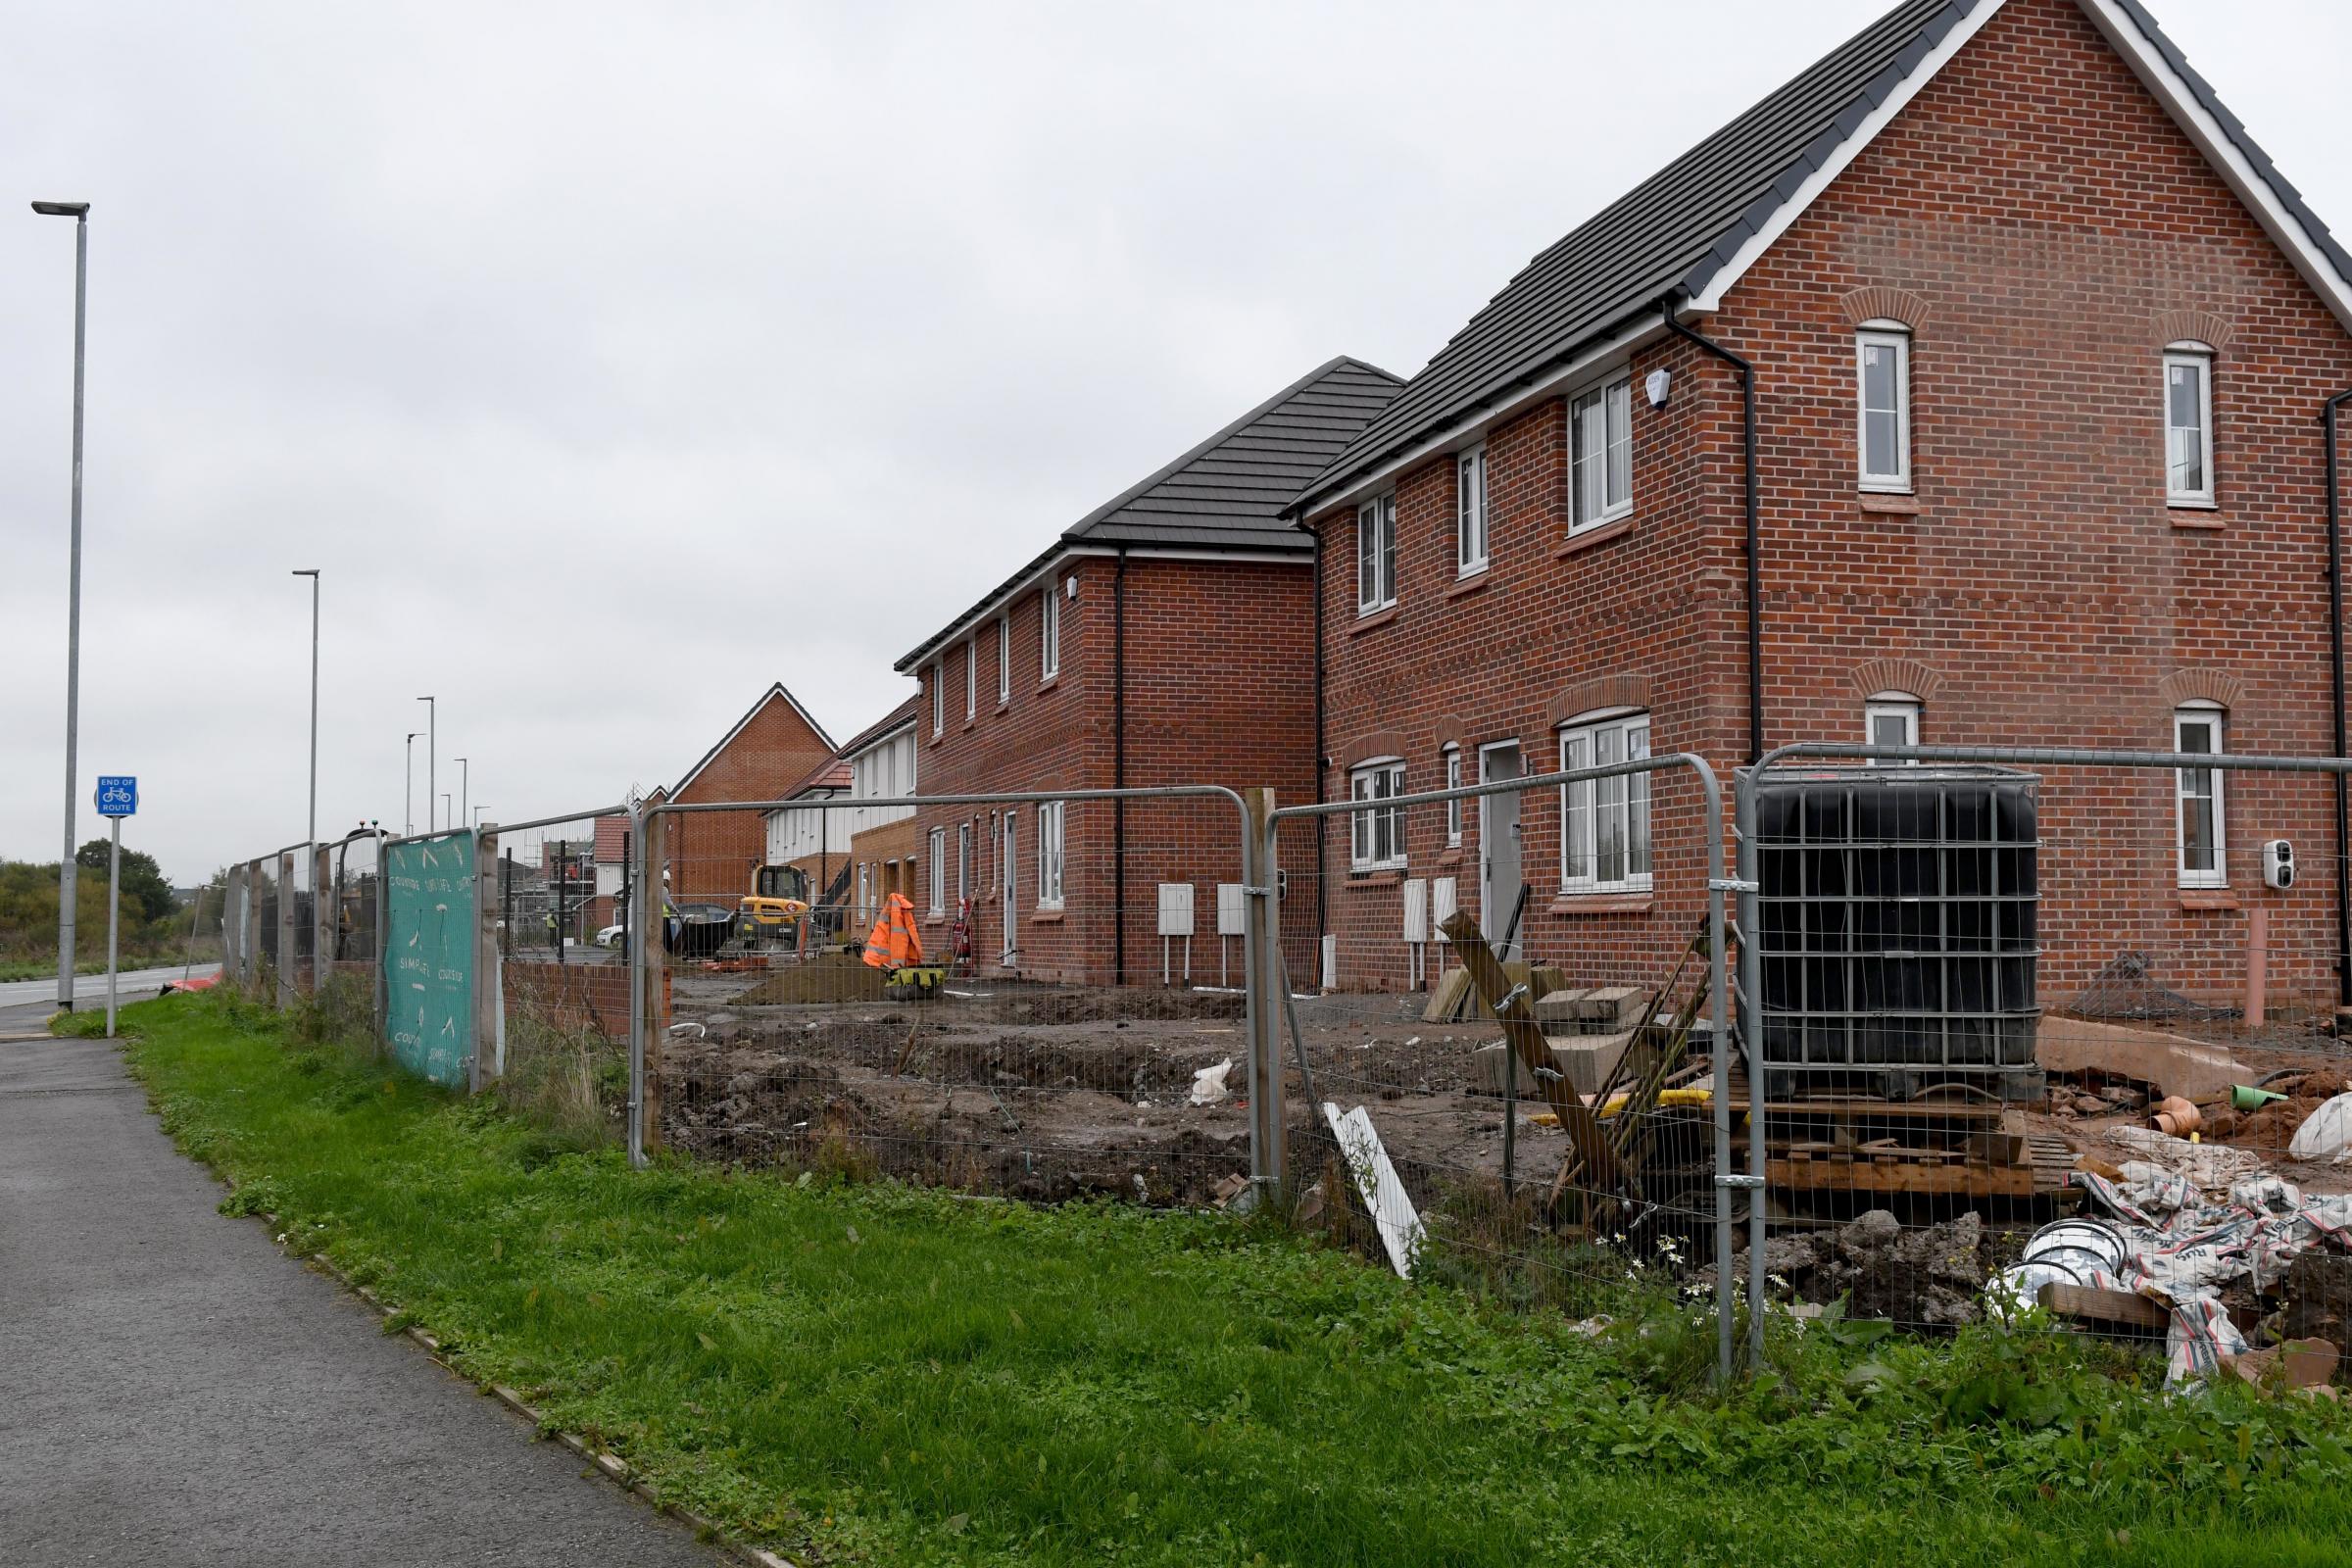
pixel 614 361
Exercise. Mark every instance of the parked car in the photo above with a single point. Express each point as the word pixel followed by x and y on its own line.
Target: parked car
pixel 609 936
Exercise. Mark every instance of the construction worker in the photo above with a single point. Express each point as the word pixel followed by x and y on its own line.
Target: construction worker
pixel 893 944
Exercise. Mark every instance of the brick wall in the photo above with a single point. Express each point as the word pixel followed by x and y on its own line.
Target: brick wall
pixel 573 996
pixel 1220 659
pixel 2044 230
pixel 713 855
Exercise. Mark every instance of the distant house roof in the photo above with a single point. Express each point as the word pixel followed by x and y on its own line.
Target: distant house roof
pixel 774 693
pixel 889 723
pixel 835 774
pixel 1228 491
pixel 1694 227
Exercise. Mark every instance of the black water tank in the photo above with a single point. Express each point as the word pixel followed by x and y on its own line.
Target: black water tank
pixel 1897 929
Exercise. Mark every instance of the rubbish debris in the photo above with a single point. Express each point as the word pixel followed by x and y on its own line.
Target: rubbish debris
pixel 1225 1190
pixel 2307 1365
pixel 2211 1166
pixel 1929 1276
pixel 2176 1117
pixel 1377 1183
pixel 2183 1250
pixel 2327 1133
pixel 2124 988
pixel 1209 1084
pixel 2247 1097
pixel 2174 1064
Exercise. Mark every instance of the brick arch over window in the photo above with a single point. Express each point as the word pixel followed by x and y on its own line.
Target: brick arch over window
pixel 1884 304
pixel 2192 327
pixel 1379 743
pixel 1451 731
pixel 2198 684
pixel 1897 676
pixel 1625 690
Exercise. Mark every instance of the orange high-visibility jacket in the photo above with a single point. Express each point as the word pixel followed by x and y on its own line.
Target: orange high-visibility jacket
pixel 893 944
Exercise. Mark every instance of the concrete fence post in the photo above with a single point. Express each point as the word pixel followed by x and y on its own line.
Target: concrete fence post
pixel 253 926
pixel 1262 982
pixel 286 926
pixel 384 948
pixel 646 1020
pixel 327 916
pixel 489 998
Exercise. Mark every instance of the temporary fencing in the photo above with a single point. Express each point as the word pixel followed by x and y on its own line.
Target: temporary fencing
pixel 1043 995
pixel 1520 1046
pixel 2015 1029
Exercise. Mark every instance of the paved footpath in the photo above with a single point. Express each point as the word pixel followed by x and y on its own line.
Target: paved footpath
pixel 175 1390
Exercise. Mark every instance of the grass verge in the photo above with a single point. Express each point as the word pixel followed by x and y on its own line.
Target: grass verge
pixel 876 1374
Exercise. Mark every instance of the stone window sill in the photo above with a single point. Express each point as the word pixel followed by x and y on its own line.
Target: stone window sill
pixel 1049 682
pixel 1472 583
pixel 1378 618
pixel 1890 503
pixel 1601 904
pixel 1045 918
pixel 2208 899
pixel 2195 515
pixel 1600 535
pixel 1374 879
pixel 1452 857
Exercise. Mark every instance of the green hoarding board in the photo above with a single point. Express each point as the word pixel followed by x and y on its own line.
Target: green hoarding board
pixel 431 943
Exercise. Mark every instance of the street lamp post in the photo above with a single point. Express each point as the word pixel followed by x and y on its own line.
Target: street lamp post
pixel 445 816
pixel 431 724
pixel 67 870
pixel 463 796
pixel 318 893
pixel 408 785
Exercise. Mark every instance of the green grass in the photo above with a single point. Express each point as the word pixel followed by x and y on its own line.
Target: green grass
pixel 874 1374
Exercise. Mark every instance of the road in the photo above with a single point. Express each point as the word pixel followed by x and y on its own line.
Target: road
pixel 178 1391
pixel 92 986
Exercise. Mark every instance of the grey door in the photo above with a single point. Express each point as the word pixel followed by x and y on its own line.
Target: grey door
pixel 1498 860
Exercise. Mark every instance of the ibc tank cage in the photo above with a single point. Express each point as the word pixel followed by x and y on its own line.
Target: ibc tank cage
pixel 1897 930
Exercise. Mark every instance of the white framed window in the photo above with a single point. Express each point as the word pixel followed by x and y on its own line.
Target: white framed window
pixel 2199 832
pixel 1605 823
pixel 1890 718
pixel 1453 807
pixel 1048 855
pixel 1376 555
pixel 971 679
pixel 1883 405
pixel 963 865
pixel 939 870
pixel 1470 512
pixel 1376 838
pixel 1003 660
pixel 1600 470
pixel 1048 631
pixel 939 696
pixel 2188 424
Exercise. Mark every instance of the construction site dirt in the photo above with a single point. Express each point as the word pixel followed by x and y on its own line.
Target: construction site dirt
pixel 1050 1092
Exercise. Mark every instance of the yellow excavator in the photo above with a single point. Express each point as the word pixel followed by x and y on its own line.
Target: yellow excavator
pixel 771 912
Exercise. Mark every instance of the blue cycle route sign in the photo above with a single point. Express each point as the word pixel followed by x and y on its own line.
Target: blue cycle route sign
pixel 117 795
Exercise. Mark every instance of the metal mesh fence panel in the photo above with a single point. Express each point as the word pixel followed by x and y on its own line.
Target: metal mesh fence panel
pixel 2044 1032
pixel 1519 1007
pixel 1038 998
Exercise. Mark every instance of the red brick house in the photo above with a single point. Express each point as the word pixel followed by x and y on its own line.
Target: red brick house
pixel 713 855
pixel 2040 342
pixel 1166 638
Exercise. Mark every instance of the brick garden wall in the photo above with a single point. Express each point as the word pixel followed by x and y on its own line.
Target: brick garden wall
pixel 2044 230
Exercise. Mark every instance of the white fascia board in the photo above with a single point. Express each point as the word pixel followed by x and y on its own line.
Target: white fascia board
pixel 1474 430
pixel 2180 101
pixel 1752 251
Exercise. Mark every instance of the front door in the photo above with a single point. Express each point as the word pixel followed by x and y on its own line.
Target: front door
pixel 1009 863
pixel 1498 864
